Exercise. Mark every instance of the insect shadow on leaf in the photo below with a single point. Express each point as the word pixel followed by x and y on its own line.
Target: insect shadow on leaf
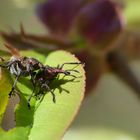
pixel 57 83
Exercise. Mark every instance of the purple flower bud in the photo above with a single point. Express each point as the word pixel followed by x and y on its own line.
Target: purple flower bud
pixel 100 20
pixel 58 15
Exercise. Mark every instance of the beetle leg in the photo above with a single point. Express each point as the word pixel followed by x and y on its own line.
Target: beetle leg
pixel 73 70
pixel 48 88
pixel 14 85
pixel 30 97
pixel 71 63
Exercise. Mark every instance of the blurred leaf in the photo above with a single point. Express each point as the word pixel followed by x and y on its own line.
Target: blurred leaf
pixel 132 12
pixel 5 87
pixel 34 54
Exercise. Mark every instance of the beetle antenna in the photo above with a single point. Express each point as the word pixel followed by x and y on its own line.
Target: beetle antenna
pixel 12 49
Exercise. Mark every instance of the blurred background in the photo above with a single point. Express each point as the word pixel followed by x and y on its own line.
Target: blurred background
pixel 112 110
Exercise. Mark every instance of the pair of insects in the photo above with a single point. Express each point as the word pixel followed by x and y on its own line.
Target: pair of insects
pixel 40 75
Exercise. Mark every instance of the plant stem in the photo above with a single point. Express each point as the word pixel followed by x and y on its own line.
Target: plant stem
pixel 119 65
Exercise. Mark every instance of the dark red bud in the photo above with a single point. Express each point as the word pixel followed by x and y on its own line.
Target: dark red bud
pixel 100 21
pixel 92 69
pixel 58 15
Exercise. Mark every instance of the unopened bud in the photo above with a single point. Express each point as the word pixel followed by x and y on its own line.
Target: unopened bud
pixel 58 15
pixel 100 21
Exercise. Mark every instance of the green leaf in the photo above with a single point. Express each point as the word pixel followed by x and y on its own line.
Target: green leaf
pixel 48 120
pixel 5 87
pixel 45 119
pixel 18 133
pixel 52 119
